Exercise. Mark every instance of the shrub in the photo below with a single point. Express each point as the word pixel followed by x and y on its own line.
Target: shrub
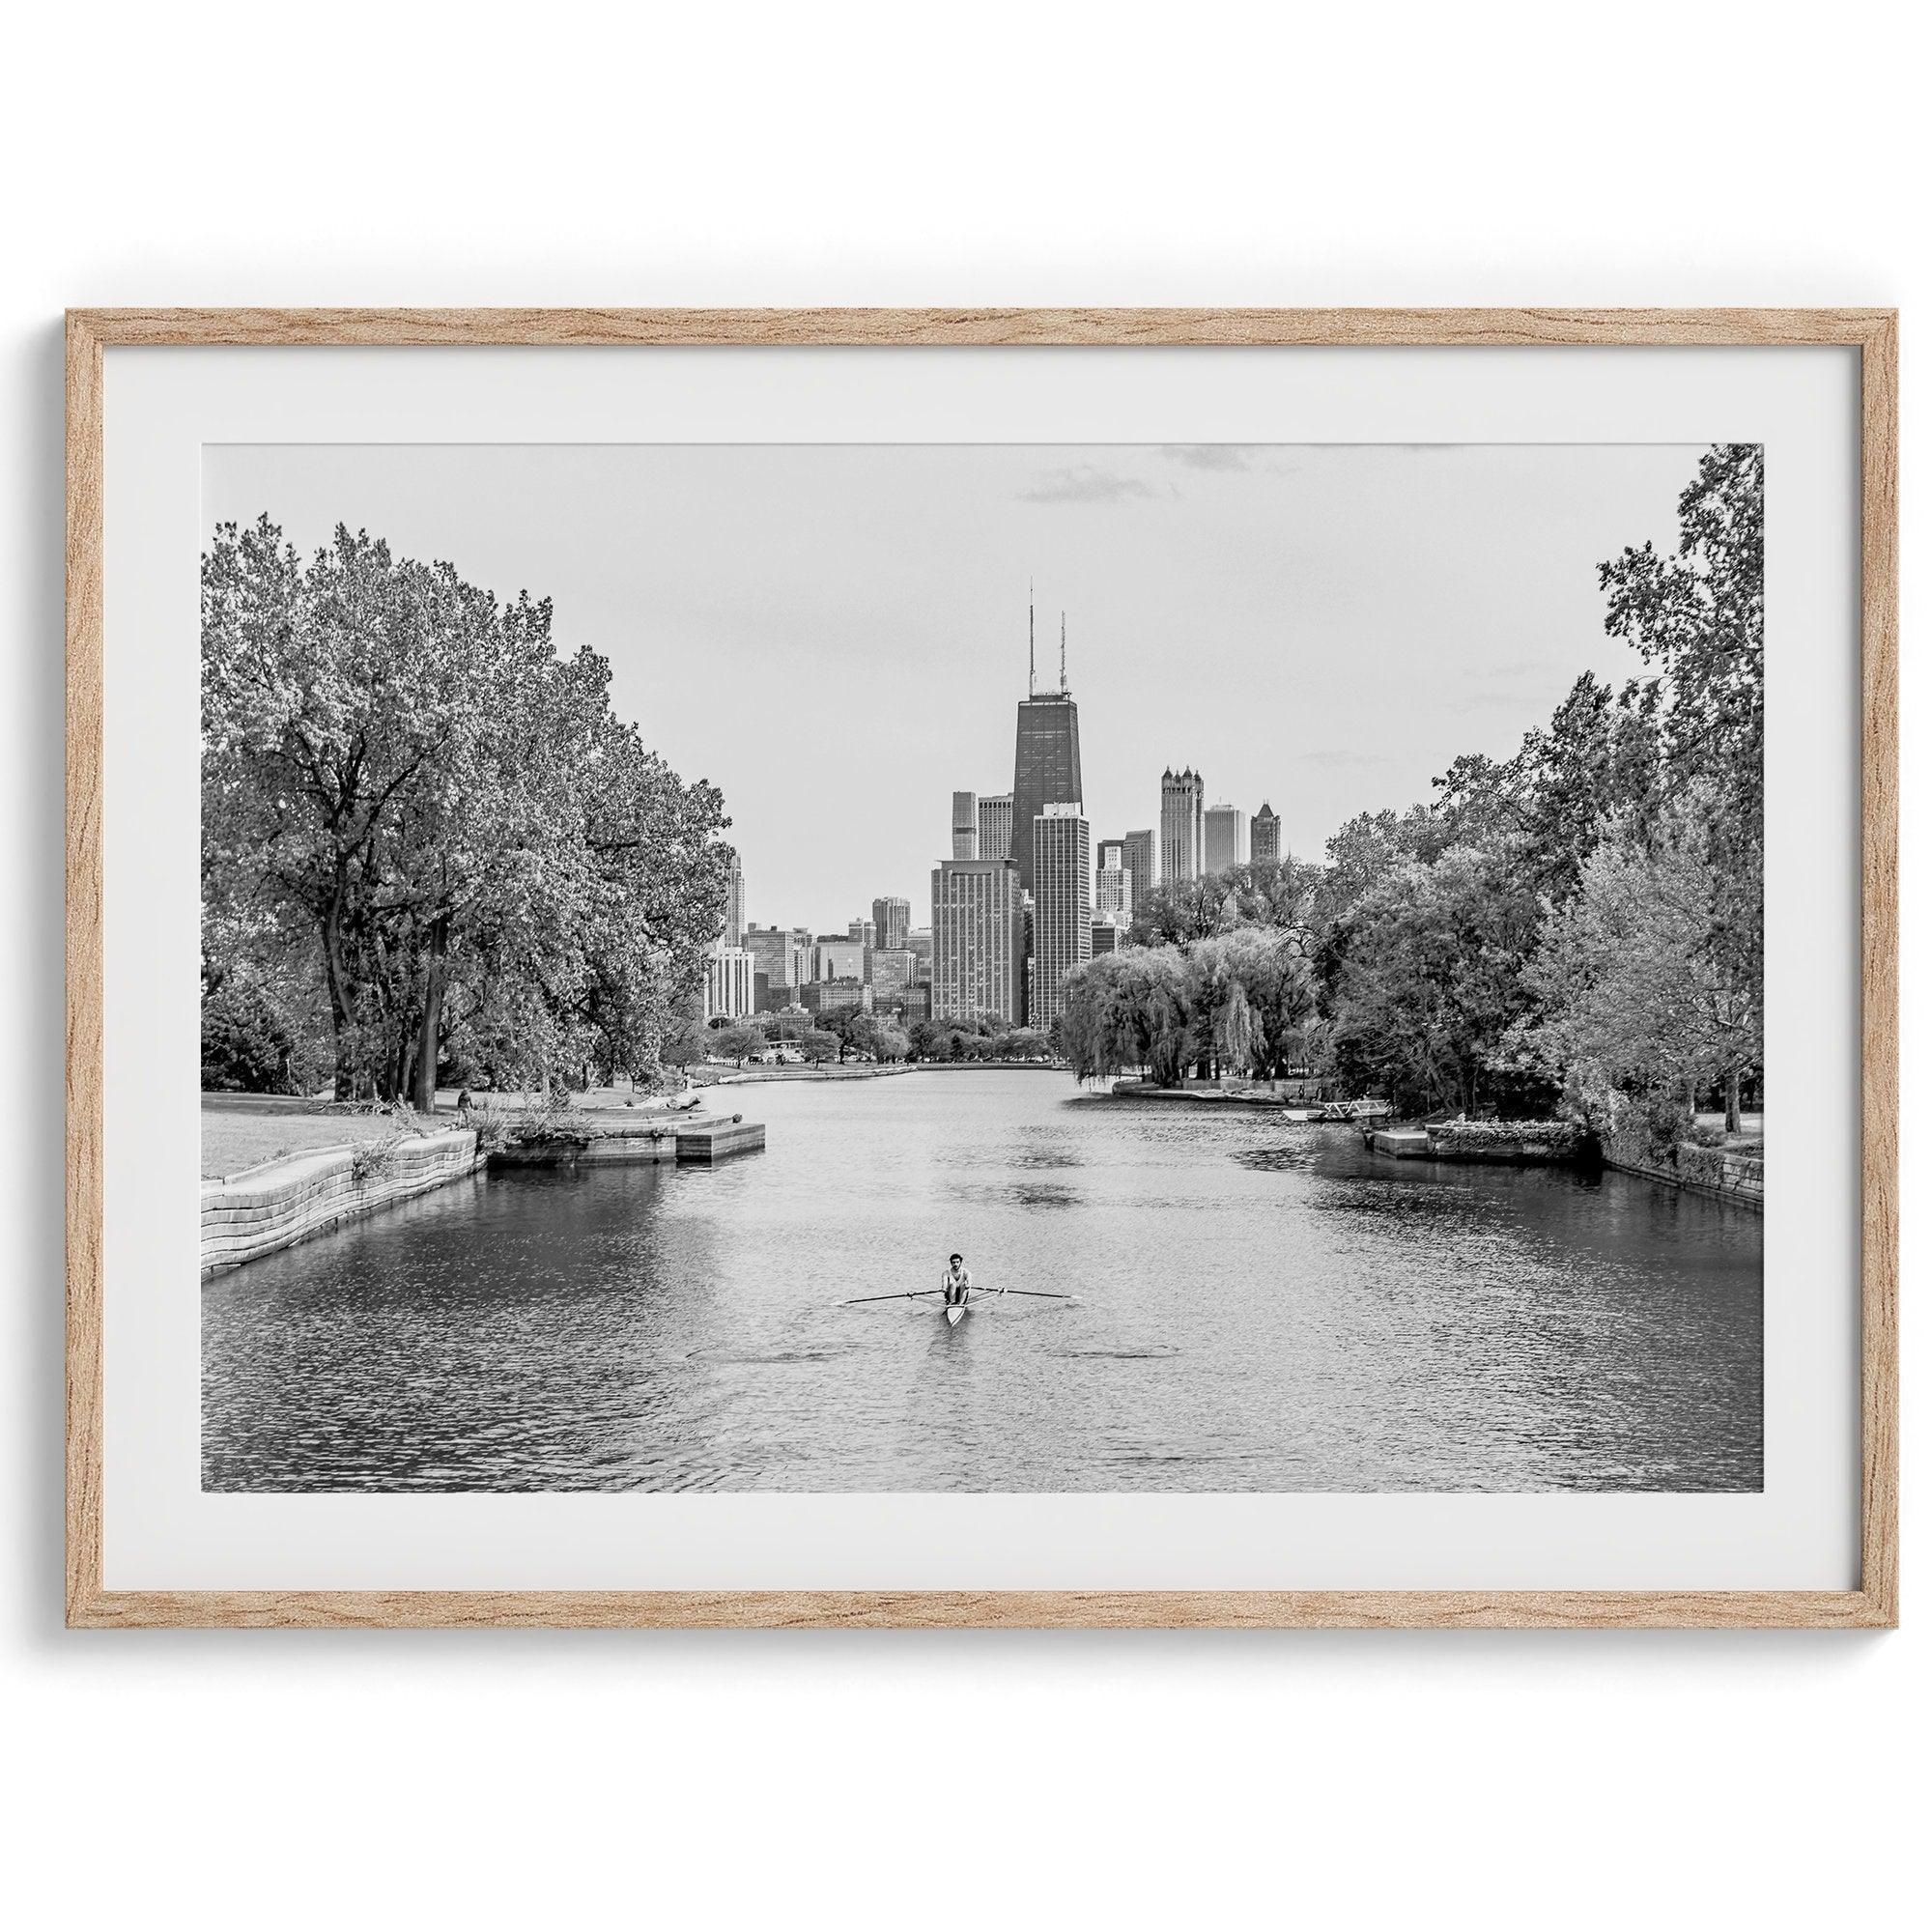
pixel 374 1158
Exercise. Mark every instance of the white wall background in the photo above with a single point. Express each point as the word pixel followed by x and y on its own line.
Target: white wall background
pixel 1123 154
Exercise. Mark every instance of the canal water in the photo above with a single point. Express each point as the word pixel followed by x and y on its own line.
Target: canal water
pixel 1262 1306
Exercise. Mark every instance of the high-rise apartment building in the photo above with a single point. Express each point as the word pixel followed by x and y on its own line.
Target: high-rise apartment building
pixel 894 969
pixel 995 822
pixel 1063 907
pixel 730 984
pixel 779 958
pixel 1264 841
pixel 1182 831
pixel 1140 853
pixel 864 931
pixel 1113 883
pixel 892 921
pixel 979 964
pixel 1223 837
pixel 918 943
pixel 965 825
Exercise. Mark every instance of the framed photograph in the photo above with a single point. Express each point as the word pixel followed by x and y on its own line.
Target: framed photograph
pixel 981 968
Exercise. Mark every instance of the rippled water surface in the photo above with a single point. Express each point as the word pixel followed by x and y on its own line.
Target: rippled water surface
pixel 1262 1306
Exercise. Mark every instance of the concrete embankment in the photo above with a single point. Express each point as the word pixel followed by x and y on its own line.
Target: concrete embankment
pixel 294 1197
pixel 282 1202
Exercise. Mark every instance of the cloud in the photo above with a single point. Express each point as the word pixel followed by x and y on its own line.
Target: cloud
pixel 1221 455
pixel 1085 483
pixel 1337 760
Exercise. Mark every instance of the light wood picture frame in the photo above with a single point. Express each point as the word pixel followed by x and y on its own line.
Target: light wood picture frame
pixel 1873 334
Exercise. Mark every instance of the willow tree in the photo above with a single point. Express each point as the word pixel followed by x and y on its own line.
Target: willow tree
pixel 406 767
pixel 1127 1009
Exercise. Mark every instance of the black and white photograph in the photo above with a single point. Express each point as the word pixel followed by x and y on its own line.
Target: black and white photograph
pixel 991 968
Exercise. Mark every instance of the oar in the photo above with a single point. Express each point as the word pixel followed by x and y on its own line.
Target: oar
pixel 904 1295
pixel 1037 1293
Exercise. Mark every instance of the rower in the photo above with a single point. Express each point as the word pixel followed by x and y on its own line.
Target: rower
pixel 958 1283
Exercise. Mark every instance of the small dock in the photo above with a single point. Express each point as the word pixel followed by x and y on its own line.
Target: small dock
pixel 713 1141
pixel 705 1139
pixel 1401 1142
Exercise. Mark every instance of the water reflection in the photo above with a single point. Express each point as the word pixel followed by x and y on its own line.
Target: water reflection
pixel 1262 1307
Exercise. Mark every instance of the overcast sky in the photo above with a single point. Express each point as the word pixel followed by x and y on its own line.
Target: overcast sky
pixel 837 636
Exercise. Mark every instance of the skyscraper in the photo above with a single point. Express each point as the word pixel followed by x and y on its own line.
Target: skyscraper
pixel 996 826
pixel 729 984
pixel 864 931
pixel 777 957
pixel 1265 835
pixel 1113 883
pixel 965 825
pixel 977 962
pixel 892 921
pixel 1182 833
pixel 1046 755
pixel 835 957
pixel 1141 851
pixel 894 969
pixel 1063 907
pixel 734 904
pixel 1223 837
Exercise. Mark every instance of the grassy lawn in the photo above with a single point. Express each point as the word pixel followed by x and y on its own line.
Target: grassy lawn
pixel 240 1129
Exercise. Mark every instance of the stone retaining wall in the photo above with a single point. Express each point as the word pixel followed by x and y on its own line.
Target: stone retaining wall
pixel 1518 1143
pixel 1722 1173
pixel 283 1202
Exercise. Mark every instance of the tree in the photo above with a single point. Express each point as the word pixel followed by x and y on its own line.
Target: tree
pixel 1262 1019
pixel 734 1043
pixel 685 1039
pixel 854 1029
pixel 1698 618
pixel 408 772
pixel 1127 1009
pixel 1636 993
pixel 1024 1043
pixel 1432 980
pixel 818 1046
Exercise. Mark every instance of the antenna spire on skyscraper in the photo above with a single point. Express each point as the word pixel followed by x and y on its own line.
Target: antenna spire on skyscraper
pixel 1030 680
pixel 1063 650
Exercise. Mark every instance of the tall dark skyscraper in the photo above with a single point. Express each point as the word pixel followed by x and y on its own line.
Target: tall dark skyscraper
pixel 1265 836
pixel 1046 755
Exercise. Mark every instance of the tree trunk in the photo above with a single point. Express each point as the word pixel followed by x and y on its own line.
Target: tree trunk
pixel 341 1006
pixel 1733 1104
pixel 423 1095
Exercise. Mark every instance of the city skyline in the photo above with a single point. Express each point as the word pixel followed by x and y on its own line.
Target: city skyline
pixel 1230 607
